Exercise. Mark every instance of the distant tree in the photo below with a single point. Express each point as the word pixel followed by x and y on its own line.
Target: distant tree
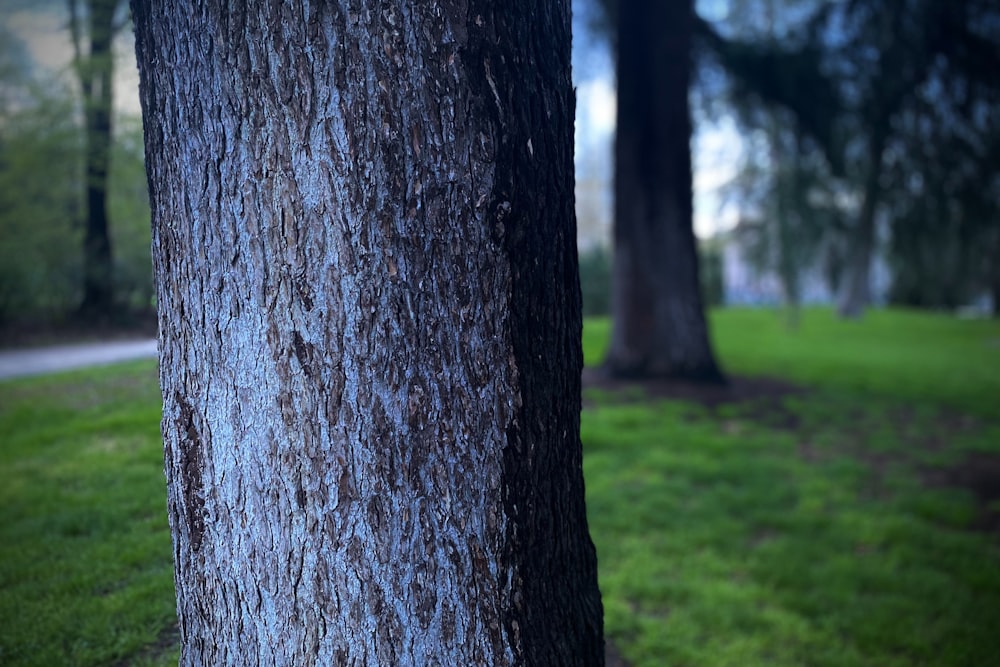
pixel 658 317
pixel 889 92
pixel 710 253
pixel 790 109
pixel 782 188
pixel 366 272
pixel 94 66
pixel 789 220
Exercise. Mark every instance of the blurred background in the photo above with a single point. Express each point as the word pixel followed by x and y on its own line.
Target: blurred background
pixel 74 213
pixel 835 504
pixel 819 124
pixel 831 138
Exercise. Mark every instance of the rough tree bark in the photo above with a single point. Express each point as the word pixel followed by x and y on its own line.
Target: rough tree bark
pixel 95 72
pixel 658 317
pixel 364 246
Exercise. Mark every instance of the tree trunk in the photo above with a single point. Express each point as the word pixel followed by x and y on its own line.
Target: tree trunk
pixel 365 254
pixel 658 320
pixel 96 73
pixel 856 294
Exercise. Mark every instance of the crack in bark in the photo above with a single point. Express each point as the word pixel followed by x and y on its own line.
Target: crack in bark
pixel 191 467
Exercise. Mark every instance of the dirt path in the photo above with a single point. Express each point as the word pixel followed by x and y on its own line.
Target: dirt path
pixel 20 363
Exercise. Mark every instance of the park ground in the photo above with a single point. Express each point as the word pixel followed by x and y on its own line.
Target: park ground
pixel 837 505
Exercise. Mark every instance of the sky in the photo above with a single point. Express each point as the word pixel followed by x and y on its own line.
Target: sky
pixel 715 148
pixel 47 39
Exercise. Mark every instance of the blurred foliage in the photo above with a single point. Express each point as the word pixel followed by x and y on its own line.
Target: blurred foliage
pixel 903 109
pixel 41 193
pixel 595 281
pixel 882 126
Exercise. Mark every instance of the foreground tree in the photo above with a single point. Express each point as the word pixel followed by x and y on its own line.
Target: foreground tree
pixel 95 71
pixel 658 317
pixel 366 270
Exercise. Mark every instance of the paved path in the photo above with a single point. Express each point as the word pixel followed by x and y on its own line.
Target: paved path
pixel 18 363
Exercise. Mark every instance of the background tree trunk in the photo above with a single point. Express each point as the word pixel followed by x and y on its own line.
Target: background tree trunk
pixel 95 72
pixel 857 293
pixel 658 317
pixel 365 252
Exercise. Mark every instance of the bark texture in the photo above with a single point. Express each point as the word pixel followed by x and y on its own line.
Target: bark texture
pixel 658 318
pixel 364 246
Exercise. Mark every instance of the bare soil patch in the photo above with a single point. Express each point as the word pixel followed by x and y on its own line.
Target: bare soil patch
pixel 765 396
pixel 739 389
pixel 612 658
pixel 980 474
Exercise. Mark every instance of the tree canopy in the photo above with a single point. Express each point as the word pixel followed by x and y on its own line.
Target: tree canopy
pixel 900 99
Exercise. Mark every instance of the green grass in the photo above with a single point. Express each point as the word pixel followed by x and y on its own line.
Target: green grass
pixel 85 560
pixel 722 539
pixel 928 358
pixel 722 545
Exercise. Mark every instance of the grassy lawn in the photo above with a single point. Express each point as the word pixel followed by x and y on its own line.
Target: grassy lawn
pixel 85 560
pixel 836 526
pixel 930 359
